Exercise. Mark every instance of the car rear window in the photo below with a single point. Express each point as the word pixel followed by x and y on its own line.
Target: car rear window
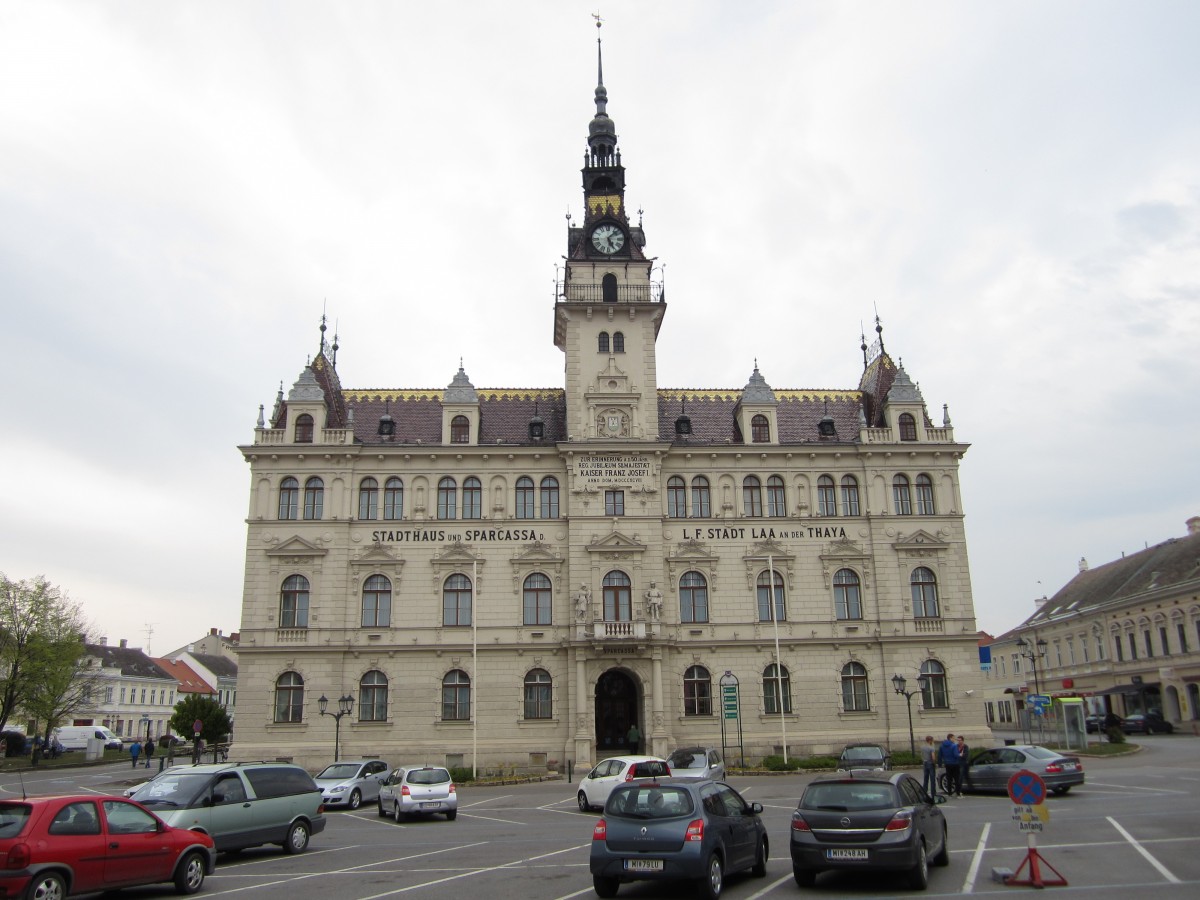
pixel 694 758
pixel 651 769
pixel 280 781
pixel 849 795
pixel 649 802
pixel 428 776
pixel 13 818
pixel 1040 753
pixel 862 753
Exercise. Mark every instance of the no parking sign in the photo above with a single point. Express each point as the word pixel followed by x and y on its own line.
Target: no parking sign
pixel 1027 791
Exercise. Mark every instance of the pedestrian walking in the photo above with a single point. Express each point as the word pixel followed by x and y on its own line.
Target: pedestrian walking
pixel 929 766
pixel 948 757
pixel 964 764
pixel 148 750
pixel 134 750
pixel 633 738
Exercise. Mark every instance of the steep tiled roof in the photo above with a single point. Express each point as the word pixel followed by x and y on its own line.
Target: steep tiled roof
pixel 875 383
pixel 130 660
pixel 221 666
pixel 504 414
pixel 1173 563
pixel 188 679
pixel 797 412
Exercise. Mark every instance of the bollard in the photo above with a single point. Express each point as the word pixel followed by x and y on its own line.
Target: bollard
pixel 161 761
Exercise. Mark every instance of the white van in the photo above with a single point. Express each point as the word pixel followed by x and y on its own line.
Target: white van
pixel 75 737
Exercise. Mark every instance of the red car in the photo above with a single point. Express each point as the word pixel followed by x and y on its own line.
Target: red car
pixel 55 847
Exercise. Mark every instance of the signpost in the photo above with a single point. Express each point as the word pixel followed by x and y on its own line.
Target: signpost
pixel 731 709
pixel 1027 791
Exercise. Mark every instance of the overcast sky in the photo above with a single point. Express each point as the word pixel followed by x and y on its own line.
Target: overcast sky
pixel 184 187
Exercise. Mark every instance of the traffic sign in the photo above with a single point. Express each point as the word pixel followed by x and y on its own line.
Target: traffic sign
pixel 1027 788
pixel 1039 700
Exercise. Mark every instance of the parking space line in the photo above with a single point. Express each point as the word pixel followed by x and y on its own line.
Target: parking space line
pixel 488 800
pixel 770 887
pixel 1163 870
pixel 576 894
pixel 466 815
pixel 1130 787
pixel 976 859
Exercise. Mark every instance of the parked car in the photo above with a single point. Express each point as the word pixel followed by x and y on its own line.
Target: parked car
pixel 608 773
pixel 677 829
pixel 418 790
pixel 868 821
pixel 352 783
pixel 1095 724
pixel 698 763
pixel 990 770
pixel 864 756
pixel 239 804
pixel 55 847
pixel 1146 723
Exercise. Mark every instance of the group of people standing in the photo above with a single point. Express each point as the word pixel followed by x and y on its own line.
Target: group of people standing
pixel 146 749
pixel 953 755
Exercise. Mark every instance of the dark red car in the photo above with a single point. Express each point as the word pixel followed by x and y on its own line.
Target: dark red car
pixel 55 847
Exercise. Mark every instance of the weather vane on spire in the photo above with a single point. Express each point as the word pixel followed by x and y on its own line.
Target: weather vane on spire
pixel 596 16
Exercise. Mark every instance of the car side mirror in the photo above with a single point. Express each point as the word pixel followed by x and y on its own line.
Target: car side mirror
pixel 939 798
pixel 217 797
pixel 756 809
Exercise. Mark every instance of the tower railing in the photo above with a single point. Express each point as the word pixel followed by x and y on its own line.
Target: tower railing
pixel 626 293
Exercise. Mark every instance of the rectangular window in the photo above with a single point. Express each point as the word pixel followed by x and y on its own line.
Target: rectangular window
pixel 1182 632
pixel 143 696
pixel 1016 661
pixel 108 695
pixel 1058 654
pixel 1132 645
pixel 1099 647
pixel 1083 645
pixel 1162 637
pixel 1149 644
pixel 614 503
pixel 1071 650
pixel 122 700
pixel 1120 649
pixel 989 712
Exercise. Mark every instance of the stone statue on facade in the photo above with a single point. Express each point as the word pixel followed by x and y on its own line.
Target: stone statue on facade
pixel 583 603
pixel 654 602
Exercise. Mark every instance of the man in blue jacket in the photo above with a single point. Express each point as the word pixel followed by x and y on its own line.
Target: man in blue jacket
pixel 948 756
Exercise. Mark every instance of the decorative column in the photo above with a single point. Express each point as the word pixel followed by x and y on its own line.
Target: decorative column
pixel 583 737
pixel 658 731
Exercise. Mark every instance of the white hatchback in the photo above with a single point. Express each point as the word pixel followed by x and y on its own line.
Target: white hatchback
pixel 608 773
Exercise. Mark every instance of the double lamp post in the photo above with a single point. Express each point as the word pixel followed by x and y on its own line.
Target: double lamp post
pixel 345 704
pixel 899 682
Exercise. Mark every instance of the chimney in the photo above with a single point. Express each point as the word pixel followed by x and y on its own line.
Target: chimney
pixel 215 632
pixel 1083 564
pixel 124 643
pixel 1193 525
pixel 235 637
pixel 103 642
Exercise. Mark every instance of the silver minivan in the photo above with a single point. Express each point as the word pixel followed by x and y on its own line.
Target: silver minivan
pixel 239 804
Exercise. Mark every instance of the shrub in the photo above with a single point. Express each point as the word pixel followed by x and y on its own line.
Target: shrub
pixel 816 762
pixel 775 763
pixel 461 774
pixel 14 743
pixel 1115 734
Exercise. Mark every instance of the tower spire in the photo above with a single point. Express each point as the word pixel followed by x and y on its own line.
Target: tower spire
pixel 602 132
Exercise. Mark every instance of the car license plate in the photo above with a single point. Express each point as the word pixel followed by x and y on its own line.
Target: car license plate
pixel 433 805
pixel 845 854
pixel 1068 767
pixel 643 865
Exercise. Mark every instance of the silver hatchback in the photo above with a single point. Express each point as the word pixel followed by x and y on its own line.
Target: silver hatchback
pixel 418 790
pixel 351 783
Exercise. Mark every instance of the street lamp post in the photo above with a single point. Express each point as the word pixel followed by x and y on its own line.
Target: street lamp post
pixel 1033 652
pixel 899 682
pixel 345 704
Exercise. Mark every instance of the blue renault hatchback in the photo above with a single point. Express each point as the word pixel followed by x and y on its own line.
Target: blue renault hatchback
pixel 699 831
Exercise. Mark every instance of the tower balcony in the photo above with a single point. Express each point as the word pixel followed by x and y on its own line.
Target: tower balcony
pixel 626 293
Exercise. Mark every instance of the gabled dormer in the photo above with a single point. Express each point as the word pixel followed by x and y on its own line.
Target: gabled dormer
pixel 306 410
pixel 904 408
pixel 756 414
pixel 460 411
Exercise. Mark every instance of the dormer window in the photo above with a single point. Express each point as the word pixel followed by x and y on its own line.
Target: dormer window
pixel 304 429
pixel 460 430
pixel 908 427
pixel 760 430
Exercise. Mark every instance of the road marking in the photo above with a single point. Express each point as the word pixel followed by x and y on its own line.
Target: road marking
pixel 770 887
pixel 1163 870
pixel 1130 787
pixel 576 894
pixel 488 800
pixel 976 859
pixel 491 818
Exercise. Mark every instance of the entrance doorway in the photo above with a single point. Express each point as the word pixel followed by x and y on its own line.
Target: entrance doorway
pixel 616 712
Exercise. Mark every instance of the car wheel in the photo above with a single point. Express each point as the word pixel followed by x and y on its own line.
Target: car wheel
pixel 605 887
pixel 189 876
pixel 714 880
pixel 1059 791
pixel 382 811
pixel 918 878
pixel 355 799
pixel 452 815
pixel 584 806
pixel 47 886
pixel 297 838
pixel 399 816
pixel 943 855
pixel 804 877
pixel 760 858
pixel 943 782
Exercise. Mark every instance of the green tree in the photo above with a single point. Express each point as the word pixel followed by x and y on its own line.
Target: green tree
pixel 216 723
pixel 41 638
pixel 65 683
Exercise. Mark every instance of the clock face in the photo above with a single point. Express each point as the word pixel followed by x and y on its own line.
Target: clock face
pixel 608 238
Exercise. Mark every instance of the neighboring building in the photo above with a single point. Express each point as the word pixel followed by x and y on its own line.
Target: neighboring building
pixel 219 672
pixel 132 695
pixel 1124 635
pixel 212 644
pixel 527 573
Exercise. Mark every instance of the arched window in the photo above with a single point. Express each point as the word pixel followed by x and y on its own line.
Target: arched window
pixel 525 500
pixel 924 594
pixel 847 599
pixel 935 695
pixel 760 430
pixel 608 288
pixel 289 698
pixel 618 606
pixel 693 598
pixel 293 602
pixel 456 696
pixel 764 597
pixel 304 429
pixel 849 495
pixel 752 496
pixel 472 498
pixel 826 497
pixel 456 600
pixel 901 495
pixel 460 430
pixel 393 499
pixel 908 427
pixel 777 683
pixel 538 694
pixel 314 499
pixel 447 499
pixel 924 495
pixel 549 498
pixel 855 697
pixel 618 342
pixel 701 498
pixel 697 692
pixel 603 343
pixel 373 697
pixel 368 498
pixel 537 597
pixel 289 498
pixel 676 498
pixel 377 602
pixel 776 498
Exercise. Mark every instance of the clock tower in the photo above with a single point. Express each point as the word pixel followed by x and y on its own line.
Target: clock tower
pixel 608 311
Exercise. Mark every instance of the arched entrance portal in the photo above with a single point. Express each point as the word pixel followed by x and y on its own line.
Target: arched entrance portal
pixel 616 712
